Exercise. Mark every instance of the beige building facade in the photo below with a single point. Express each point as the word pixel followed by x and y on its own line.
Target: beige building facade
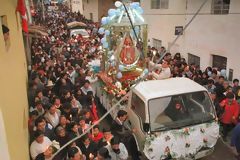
pixel 13 84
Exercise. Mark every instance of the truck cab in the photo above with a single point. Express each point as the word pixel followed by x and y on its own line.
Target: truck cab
pixel 174 118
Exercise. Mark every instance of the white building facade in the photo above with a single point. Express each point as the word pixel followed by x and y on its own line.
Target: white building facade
pixel 77 6
pixel 96 9
pixel 212 38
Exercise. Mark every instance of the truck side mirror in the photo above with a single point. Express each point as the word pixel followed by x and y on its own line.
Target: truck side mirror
pixel 146 127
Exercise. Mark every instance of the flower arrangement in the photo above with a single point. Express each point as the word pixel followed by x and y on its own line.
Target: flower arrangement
pixel 186 131
pixel 205 140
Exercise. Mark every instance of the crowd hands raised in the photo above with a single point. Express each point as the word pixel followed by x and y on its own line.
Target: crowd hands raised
pixel 62 97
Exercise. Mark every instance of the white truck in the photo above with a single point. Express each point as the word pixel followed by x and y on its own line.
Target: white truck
pixel 174 118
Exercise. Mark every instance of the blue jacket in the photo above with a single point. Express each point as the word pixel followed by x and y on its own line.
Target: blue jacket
pixel 235 141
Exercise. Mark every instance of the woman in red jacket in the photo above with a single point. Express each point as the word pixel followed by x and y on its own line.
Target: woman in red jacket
pixel 230 115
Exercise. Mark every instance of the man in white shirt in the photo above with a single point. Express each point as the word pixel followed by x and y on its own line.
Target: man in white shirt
pixel 117 150
pixel 52 115
pixel 87 87
pixel 164 70
pixel 40 144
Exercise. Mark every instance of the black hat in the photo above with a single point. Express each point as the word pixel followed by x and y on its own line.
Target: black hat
pixel 72 151
pixel 5 29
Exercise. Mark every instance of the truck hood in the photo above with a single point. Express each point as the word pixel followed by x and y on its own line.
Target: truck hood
pixel 181 143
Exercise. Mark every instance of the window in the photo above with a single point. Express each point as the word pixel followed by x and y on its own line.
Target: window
pixel 193 59
pixel 219 62
pixel 179 111
pixel 179 30
pixel 220 6
pixel 159 4
pixel 5 31
pixel 157 43
pixel 138 106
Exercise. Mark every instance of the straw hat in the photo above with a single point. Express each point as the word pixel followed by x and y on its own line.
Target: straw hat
pixel 49 84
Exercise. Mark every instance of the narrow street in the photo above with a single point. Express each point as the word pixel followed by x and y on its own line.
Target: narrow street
pixel 221 152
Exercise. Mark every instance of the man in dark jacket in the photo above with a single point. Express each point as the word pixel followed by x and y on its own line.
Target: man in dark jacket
pixel 41 125
pixel 88 148
pixel 220 89
pixel 120 130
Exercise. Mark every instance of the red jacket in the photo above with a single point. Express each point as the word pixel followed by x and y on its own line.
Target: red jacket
pixel 94 112
pixel 231 112
pixel 97 138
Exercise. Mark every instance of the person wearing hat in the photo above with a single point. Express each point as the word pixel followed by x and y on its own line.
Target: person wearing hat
pixel 103 154
pixel 230 114
pixel 117 150
pixel 5 31
pixel 40 144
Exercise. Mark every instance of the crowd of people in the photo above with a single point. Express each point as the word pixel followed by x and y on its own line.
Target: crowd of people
pixel 62 98
pixel 224 94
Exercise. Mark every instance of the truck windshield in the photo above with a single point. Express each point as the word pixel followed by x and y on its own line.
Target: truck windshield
pixel 178 111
